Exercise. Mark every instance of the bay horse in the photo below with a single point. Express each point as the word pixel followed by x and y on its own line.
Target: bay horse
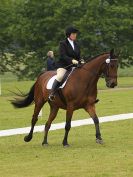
pixel 80 91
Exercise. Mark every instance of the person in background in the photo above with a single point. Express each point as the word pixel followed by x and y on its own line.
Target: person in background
pixel 50 61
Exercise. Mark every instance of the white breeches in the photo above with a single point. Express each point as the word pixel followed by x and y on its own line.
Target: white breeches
pixel 60 74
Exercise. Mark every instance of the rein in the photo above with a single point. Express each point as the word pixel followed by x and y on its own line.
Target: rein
pixel 107 61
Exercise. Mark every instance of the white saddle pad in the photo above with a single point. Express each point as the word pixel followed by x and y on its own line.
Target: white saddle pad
pixel 51 81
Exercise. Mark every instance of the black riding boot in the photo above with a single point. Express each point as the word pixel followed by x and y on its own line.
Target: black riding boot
pixel 55 86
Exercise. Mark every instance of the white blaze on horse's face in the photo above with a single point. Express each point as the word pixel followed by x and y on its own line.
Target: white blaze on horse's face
pixel 108 60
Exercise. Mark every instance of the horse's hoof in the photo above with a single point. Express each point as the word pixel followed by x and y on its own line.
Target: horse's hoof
pixel 66 145
pixel 99 141
pixel 27 138
pixel 45 144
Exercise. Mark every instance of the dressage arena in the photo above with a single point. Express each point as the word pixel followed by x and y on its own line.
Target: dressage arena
pixel 91 118
pixel 62 125
pixel 84 158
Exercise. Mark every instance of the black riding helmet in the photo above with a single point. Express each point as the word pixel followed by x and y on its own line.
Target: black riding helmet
pixel 70 30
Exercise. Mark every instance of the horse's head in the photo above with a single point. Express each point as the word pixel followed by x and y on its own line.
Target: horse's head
pixel 110 70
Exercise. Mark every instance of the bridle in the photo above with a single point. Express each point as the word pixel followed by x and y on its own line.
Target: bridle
pixel 107 61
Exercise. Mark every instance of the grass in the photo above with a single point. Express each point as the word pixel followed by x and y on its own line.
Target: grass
pixel 24 86
pixel 111 102
pixel 114 102
pixel 84 158
pixel 8 77
pixel 126 72
pixel 123 82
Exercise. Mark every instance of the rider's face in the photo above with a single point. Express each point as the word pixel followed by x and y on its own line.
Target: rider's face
pixel 73 36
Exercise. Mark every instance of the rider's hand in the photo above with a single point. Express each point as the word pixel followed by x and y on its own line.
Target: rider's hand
pixel 82 61
pixel 75 62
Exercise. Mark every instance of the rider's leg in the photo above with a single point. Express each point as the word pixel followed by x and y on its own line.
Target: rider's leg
pixel 60 74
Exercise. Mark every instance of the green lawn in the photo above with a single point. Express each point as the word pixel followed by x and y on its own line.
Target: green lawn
pixel 84 158
pixel 111 102
pixel 115 102
pixel 10 83
pixel 123 82
pixel 126 72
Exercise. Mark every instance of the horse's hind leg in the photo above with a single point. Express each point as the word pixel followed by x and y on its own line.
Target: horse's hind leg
pixel 69 114
pixel 53 113
pixel 38 106
pixel 91 111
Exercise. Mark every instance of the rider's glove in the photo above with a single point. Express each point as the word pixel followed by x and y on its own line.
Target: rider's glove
pixel 75 62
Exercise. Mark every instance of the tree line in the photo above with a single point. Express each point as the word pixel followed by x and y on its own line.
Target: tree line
pixel 29 28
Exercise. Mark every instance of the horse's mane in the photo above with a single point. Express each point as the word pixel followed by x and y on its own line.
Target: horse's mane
pixel 93 58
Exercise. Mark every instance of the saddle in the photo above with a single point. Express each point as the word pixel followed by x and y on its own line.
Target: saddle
pixel 64 80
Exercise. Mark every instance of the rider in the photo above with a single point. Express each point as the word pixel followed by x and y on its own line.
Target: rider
pixel 69 52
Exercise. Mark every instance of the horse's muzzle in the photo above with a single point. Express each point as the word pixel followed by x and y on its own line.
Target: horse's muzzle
pixel 111 84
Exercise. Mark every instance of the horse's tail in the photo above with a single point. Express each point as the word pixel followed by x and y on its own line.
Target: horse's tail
pixel 25 99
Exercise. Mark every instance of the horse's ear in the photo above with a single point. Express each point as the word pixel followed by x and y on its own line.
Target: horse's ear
pixel 111 53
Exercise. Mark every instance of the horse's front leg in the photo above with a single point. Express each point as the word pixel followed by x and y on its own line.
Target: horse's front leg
pixel 91 110
pixel 69 114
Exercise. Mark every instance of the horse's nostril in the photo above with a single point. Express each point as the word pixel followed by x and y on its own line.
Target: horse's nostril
pixel 113 85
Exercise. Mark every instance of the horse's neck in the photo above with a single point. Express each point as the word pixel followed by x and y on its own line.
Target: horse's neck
pixel 95 66
pixel 93 69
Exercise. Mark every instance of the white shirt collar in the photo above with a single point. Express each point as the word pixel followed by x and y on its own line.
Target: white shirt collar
pixel 71 42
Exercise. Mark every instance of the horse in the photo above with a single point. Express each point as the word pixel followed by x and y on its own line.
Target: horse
pixel 80 91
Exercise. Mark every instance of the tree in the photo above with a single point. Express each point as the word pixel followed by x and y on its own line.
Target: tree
pixel 37 26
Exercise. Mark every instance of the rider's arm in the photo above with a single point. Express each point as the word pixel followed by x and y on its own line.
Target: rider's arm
pixel 63 54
